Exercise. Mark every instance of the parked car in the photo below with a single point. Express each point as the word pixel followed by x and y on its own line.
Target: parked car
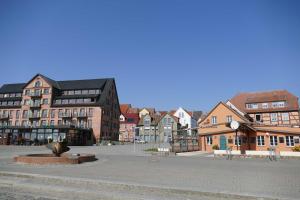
pixel 140 141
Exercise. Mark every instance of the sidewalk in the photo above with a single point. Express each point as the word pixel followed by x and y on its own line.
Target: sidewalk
pixel 194 153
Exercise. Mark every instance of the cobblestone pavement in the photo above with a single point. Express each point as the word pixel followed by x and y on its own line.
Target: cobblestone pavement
pixel 121 165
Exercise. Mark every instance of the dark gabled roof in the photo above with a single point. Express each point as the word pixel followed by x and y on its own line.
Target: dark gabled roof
pixel 12 88
pixel 241 99
pixel 82 84
pixel 62 85
pixel 50 81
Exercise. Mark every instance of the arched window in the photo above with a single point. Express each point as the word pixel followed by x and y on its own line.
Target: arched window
pixel 37 84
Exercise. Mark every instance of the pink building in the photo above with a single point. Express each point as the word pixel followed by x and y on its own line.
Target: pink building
pixel 81 111
pixel 128 122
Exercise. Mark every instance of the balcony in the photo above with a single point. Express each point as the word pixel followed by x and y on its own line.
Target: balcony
pixel 35 105
pixel 34 116
pixel 66 115
pixel 82 115
pixel 35 94
pixel 4 116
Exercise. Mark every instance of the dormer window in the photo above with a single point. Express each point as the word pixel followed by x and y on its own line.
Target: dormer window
pixel 38 84
pixel 278 104
pixel 252 106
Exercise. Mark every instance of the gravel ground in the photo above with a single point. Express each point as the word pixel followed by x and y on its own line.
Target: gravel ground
pixel 121 165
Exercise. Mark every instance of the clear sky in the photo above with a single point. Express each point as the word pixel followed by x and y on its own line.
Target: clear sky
pixel 162 53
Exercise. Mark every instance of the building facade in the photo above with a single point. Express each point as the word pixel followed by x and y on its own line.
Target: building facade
pixel 267 120
pixel 167 128
pixel 128 124
pixel 81 111
pixel 186 119
pixel 148 128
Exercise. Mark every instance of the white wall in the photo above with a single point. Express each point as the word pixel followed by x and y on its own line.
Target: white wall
pixel 186 119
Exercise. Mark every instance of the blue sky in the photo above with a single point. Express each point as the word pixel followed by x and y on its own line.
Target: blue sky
pixel 163 54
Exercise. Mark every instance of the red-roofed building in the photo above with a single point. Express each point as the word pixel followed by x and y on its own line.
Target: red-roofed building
pixel 125 107
pixel 128 122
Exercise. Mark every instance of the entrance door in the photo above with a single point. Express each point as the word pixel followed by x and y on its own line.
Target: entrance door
pixel 223 143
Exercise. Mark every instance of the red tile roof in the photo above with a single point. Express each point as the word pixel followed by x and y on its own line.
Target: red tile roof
pixel 124 108
pixel 135 118
pixel 240 100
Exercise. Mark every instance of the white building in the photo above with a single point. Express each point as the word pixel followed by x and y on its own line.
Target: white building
pixel 185 118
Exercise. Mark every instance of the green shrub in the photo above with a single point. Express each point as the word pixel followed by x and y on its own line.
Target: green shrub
pixel 151 150
pixel 215 147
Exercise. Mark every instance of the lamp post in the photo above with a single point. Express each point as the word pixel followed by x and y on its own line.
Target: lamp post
pixel 172 136
pixel 234 125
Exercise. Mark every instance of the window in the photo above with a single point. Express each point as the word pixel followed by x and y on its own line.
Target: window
pixel 91 112
pixel 265 105
pixel 89 123
pixel 289 140
pixel 274 117
pixel 278 104
pixel 281 140
pixel 229 118
pixel 58 101
pixel 273 140
pixel 59 122
pixel 27 92
pixel 52 123
pixel 45 101
pixel 251 105
pixel 26 102
pixel 37 84
pixel 79 101
pixel 92 92
pixel 25 113
pixel 60 113
pixel 65 101
pixel 214 119
pixel 44 113
pixel 17 123
pixel 44 123
pixel 209 140
pixel 52 113
pixel 77 92
pixel 237 141
pixel 130 120
pixel 258 118
pixel 12 95
pixel 46 91
pixel 18 114
pixel 285 116
pixel 260 140
pixel 84 92
pixel 147 122
pixel 72 101
pixel 87 100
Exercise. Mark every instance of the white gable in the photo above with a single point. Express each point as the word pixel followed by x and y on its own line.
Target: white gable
pixel 228 103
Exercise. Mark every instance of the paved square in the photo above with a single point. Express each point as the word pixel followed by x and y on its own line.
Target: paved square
pixel 120 165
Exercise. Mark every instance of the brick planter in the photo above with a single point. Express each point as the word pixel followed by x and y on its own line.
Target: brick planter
pixel 45 159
